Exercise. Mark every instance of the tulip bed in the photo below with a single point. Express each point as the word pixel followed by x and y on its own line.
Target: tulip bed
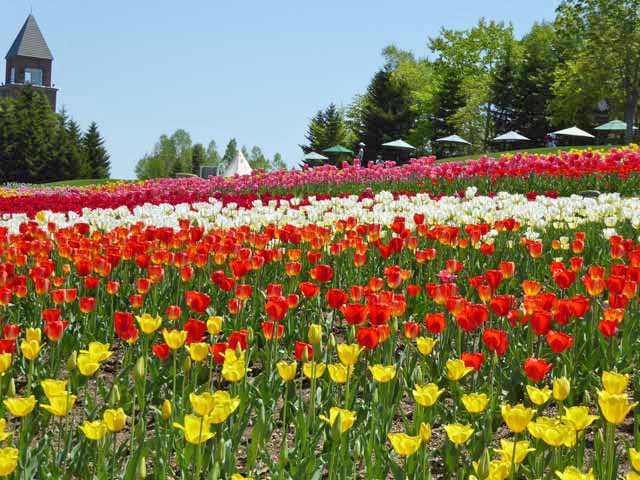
pixel 349 334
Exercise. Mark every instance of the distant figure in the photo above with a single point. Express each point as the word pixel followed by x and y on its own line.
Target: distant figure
pixel 361 153
pixel 379 160
pixel 550 141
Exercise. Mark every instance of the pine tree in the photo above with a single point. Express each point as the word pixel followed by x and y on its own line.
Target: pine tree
pixel 386 113
pixel 229 153
pixel 326 129
pixel 197 158
pixel 95 154
pixel 503 90
pixel 79 167
pixel 448 100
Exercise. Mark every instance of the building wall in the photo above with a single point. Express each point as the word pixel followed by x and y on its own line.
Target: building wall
pixel 21 63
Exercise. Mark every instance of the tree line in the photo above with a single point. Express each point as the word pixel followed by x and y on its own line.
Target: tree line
pixel 581 68
pixel 38 145
pixel 176 153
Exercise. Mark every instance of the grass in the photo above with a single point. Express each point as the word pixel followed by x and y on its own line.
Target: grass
pixel 83 182
pixel 539 151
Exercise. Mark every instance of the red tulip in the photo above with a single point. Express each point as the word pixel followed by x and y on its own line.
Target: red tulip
pixel 322 273
pixel 217 351
pixel 173 312
pixel 336 297
pixel 272 330
pixel 301 348
pixel 536 369
pixel 608 328
pixel 495 340
pixel 87 304
pixel 473 360
pixel 368 337
pixel 161 350
pixel 411 330
pixel 197 301
pixel 195 330
pixel 54 329
pixel 435 322
pixel 355 313
pixel 237 338
pixel 558 341
pixel 308 289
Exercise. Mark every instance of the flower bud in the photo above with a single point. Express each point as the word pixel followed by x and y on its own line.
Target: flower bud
pixel 186 365
pixel 305 355
pixel 114 398
pixel 11 390
pixel 250 335
pixel 166 410
pixel 72 361
pixel 331 344
pixel 139 370
pixel 141 470
pixel 214 325
pixel 336 428
pixel 315 334
pixel 561 388
pixel 484 465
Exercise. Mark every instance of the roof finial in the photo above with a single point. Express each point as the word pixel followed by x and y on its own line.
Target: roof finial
pixel 31 9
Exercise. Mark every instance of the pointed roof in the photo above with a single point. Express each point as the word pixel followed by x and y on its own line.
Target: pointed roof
pixel 574 132
pixel 453 139
pixel 30 42
pixel 399 144
pixel 314 156
pixel 238 166
pixel 510 137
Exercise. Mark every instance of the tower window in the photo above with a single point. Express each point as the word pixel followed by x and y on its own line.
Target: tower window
pixel 33 76
pixel 13 75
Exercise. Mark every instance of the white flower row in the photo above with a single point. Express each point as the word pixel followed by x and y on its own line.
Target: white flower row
pixel 608 210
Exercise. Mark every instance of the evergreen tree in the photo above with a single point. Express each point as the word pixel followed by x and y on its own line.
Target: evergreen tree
pixel 213 157
pixel 197 158
pixel 278 163
pixel 257 160
pixel 326 129
pixel 79 167
pixel 534 82
pixel 229 153
pixel 386 113
pixel 503 90
pixel 448 100
pixel 95 154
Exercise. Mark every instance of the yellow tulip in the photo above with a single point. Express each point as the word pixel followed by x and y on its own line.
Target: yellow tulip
pixel 198 351
pixel 94 430
pixel 339 373
pixel 315 334
pixel 30 349
pixel 516 417
pixel 214 325
pixel 383 373
pixel 456 369
pixel 196 429
pixel 634 458
pixel 403 444
pixel 20 407
pixel 458 433
pixel 5 362
pixel 475 402
pixel 202 404
pixel 633 476
pixel 425 345
pixel 558 434
pixel 4 435
pixel 498 470
pixel 347 417
pixel 53 387
pixel 615 407
pixel 237 476
pixel 427 395
pixel 614 383
pixel 425 432
pixel 114 419
pixel 579 417
pixel 287 371
pixel 348 354
pixel 8 460
pixel 34 334
pixel 561 388
pixel 539 396
pixel 60 404
pixel 87 364
pixel 166 409
pixel 521 451
pixel 98 351
pixel 536 428
pixel 223 406
pixel 572 473
pixel 148 324
pixel 233 368
pixel 174 338
pixel 313 369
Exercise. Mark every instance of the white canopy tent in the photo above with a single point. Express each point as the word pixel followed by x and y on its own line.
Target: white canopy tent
pixel 574 132
pixel 315 156
pixel 239 166
pixel 399 144
pixel 510 137
pixel 453 139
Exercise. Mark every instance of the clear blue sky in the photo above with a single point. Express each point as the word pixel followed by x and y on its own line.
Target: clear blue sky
pixel 255 70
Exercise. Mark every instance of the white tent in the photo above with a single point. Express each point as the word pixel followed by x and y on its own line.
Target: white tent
pixel 239 166
pixel 314 156
pixel 453 139
pixel 510 137
pixel 574 132
pixel 399 144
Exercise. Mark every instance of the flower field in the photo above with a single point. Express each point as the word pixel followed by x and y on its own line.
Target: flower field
pixel 468 321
